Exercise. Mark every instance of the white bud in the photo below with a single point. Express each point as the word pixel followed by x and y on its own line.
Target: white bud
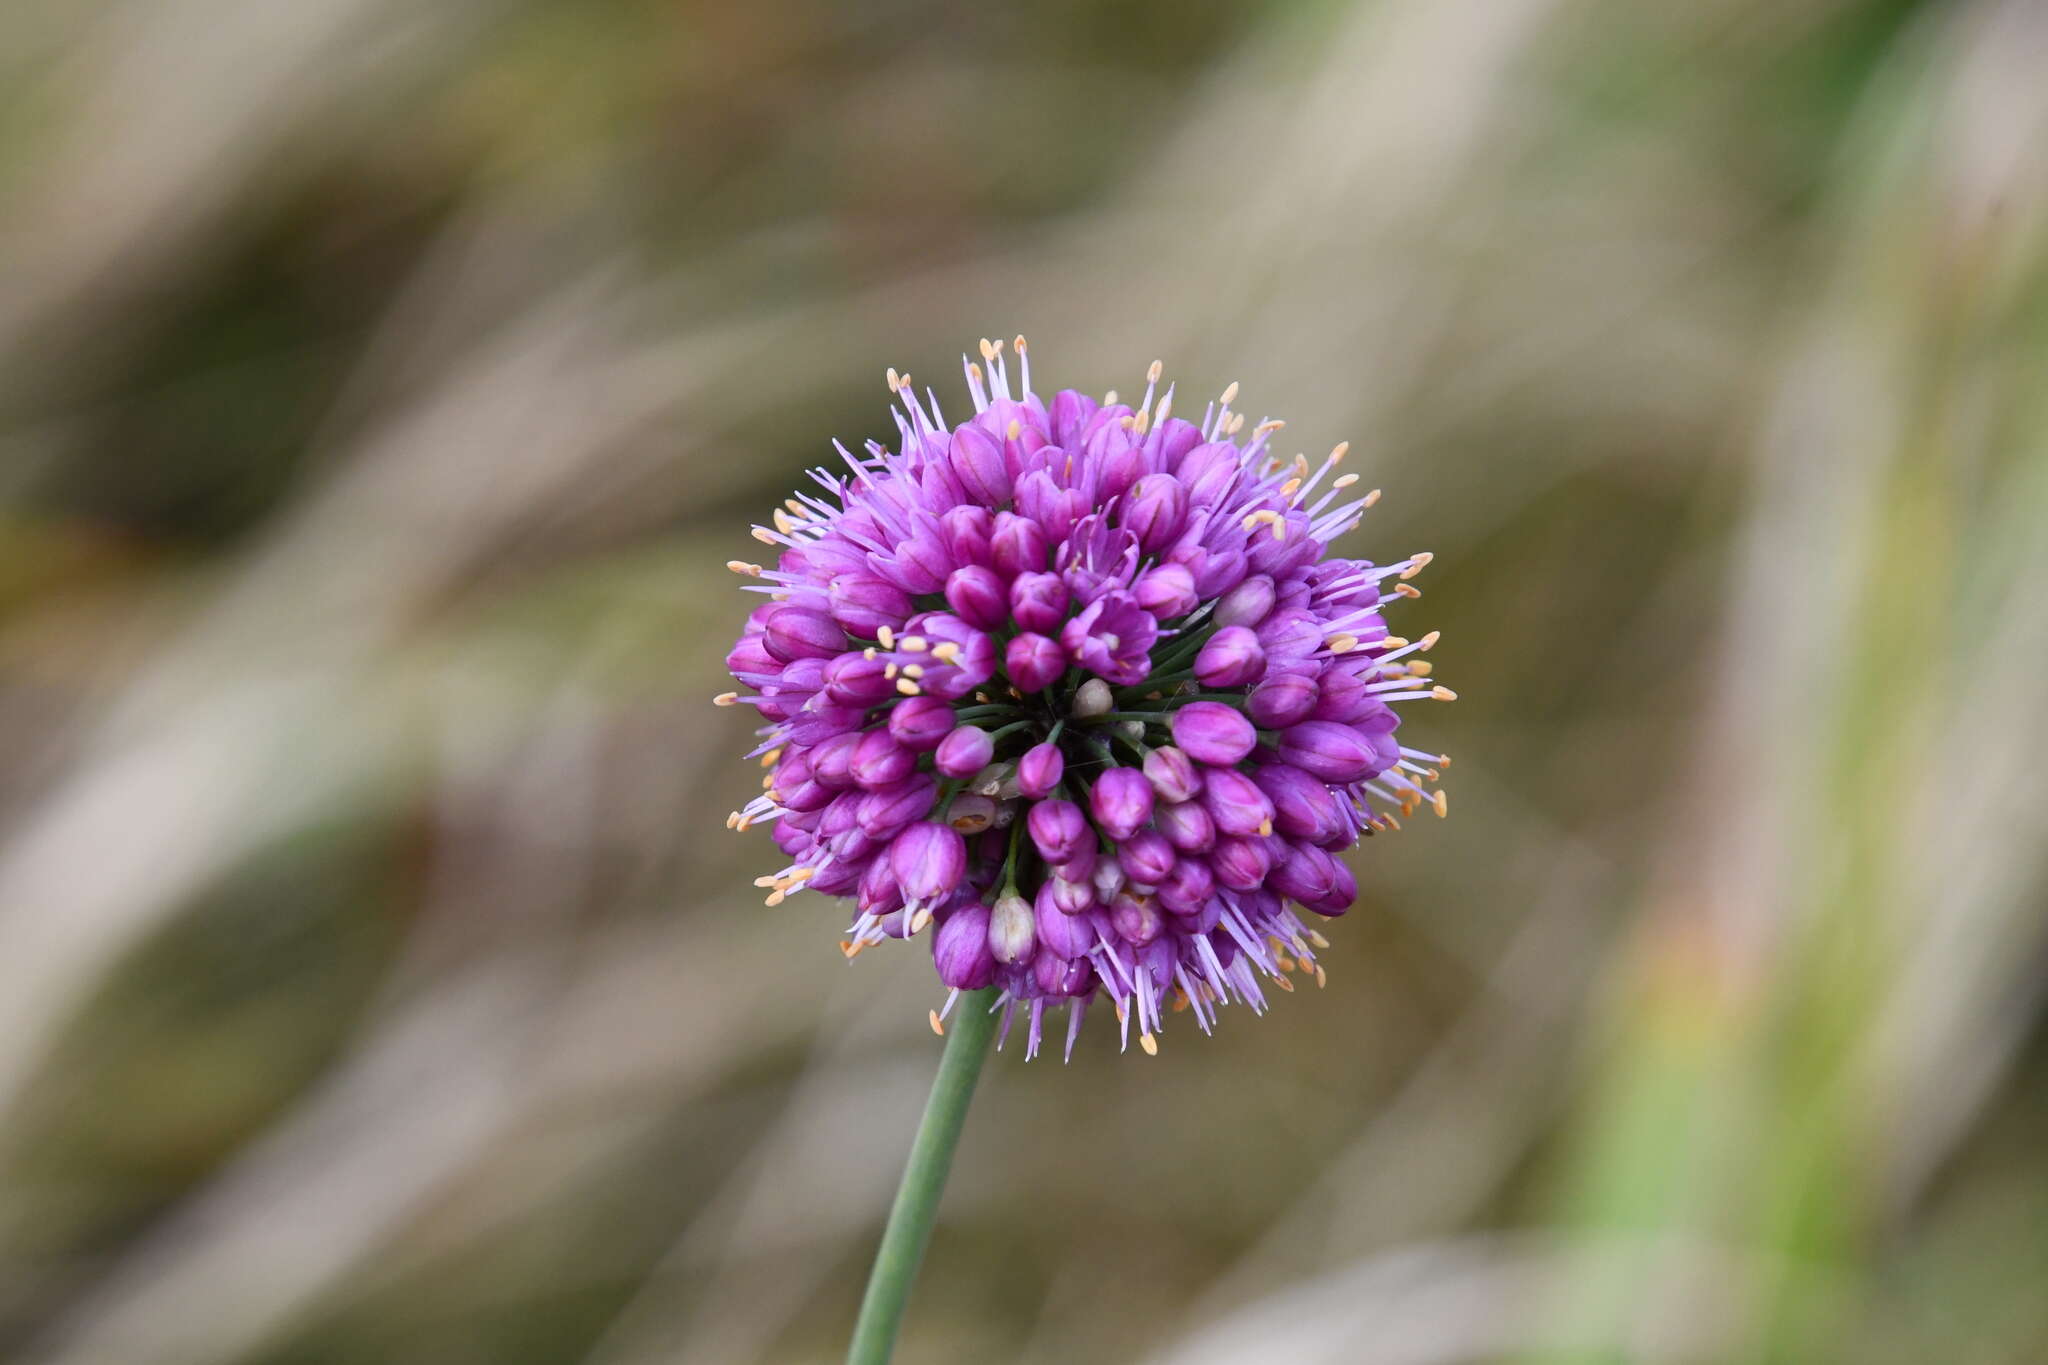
pixel 1093 699
pixel 1012 931
pixel 971 813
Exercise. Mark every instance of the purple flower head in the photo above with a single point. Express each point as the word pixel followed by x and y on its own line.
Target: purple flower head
pixel 991 613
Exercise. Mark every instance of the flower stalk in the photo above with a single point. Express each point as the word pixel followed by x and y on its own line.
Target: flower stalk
pixel 924 1180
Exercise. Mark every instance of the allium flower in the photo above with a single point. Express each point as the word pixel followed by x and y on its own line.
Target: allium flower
pixel 1077 690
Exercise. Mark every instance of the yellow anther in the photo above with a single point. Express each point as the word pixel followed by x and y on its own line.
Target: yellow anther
pixel 1284 984
pixel 726 699
pixel 913 670
pixel 1265 828
pixel 1421 668
pixel 740 566
pixel 1343 644
pixel 1408 590
pixel 886 636
pixel 1417 563
pixel 945 651
pixel 1018 345
pixel 1318 939
pixel 783 522
pixel 895 382
pixel 988 352
pixel 1442 802
pixel 1337 454
pixel 889 670
pixel 1393 642
pixel 907 687
pixel 1372 498
pixel 764 535
pixel 913 644
pixel 1442 693
pixel 1014 430
pixel 937 1027
pixel 1153 371
pixel 775 898
pixel 1230 394
pixel 1322 977
pixel 769 759
pixel 1344 481
pixel 1149 1043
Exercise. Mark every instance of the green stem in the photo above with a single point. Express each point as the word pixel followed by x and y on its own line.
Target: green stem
pixel 924 1177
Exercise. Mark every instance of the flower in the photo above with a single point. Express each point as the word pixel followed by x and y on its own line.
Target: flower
pixel 1078 689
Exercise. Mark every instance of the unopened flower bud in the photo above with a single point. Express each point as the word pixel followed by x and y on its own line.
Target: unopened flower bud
pixel 1093 698
pixel 964 752
pixel 1213 733
pixel 1012 930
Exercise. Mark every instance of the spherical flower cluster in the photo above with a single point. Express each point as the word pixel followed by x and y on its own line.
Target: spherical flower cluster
pixel 1074 690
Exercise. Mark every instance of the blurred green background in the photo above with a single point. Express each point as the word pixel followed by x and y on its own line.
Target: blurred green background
pixel 383 386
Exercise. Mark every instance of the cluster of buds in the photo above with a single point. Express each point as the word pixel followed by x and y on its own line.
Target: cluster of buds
pixel 1074 690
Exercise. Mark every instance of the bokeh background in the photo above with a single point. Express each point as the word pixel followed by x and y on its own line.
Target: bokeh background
pixel 383 387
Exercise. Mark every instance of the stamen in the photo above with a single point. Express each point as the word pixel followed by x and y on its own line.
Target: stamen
pixel 726 699
pixel 1149 1043
pixel 937 1027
